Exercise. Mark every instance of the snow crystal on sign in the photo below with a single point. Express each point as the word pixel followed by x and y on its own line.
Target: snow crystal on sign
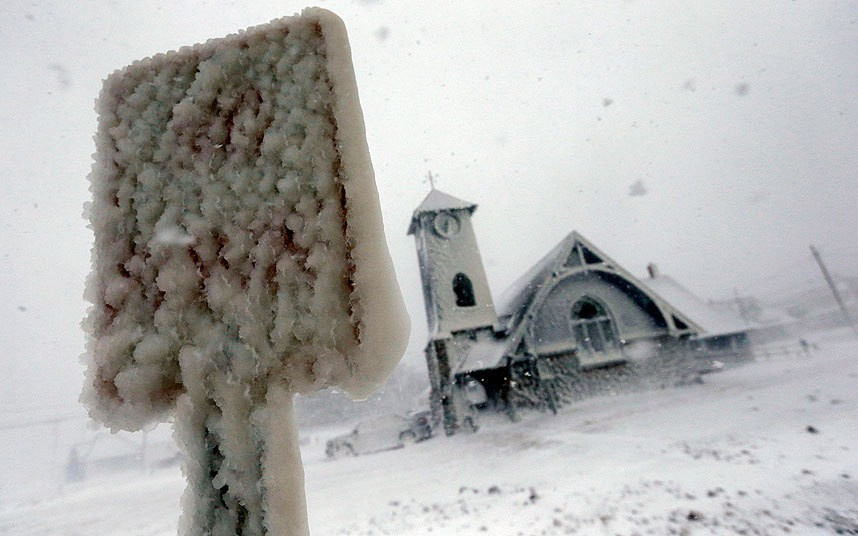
pixel 236 220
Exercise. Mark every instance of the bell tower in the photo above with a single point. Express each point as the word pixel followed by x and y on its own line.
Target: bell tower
pixel 459 307
pixel 455 289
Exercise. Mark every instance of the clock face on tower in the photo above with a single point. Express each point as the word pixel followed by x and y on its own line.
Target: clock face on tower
pixel 446 224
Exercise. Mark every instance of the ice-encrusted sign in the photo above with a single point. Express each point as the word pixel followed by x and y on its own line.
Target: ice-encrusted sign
pixel 239 258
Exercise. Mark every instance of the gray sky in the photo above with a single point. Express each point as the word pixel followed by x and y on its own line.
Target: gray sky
pixel 734 124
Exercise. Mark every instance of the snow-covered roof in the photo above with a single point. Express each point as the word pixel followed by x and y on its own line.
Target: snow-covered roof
pixel 436 201
pixel 714 321
pixel 518 295
pixel 484 354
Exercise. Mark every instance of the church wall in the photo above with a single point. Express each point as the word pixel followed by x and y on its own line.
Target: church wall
pixel 450 256
pixel 551 328
pixel 672 364
pixel 429 302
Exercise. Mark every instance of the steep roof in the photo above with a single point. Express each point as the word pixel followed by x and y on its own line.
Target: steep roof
pixel 438 201
pixel 714 321
pixel 527 293
pixel 519 294
pixel 519 297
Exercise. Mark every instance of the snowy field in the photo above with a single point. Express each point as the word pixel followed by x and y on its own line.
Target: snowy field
pixel 767 448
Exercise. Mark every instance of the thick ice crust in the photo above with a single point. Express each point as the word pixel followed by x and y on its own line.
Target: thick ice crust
pixel 236 218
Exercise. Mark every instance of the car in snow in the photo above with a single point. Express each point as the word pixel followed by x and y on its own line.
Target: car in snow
pixel 381 433
pixel 421 425
pixel 105 453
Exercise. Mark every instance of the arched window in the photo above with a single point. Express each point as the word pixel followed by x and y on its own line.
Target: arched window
pixel 464 290
pixel 592 326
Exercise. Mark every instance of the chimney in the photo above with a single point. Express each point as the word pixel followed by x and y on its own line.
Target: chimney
pixel 653 270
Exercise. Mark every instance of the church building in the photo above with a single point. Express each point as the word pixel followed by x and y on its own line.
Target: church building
pixel 574 316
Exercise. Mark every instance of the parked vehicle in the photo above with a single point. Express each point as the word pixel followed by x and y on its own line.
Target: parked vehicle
pixel 104 453
pixel 381 433
pixel 421 425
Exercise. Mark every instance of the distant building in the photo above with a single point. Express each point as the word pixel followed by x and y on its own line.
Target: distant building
pixel 812 303
pixel 766 323
pixel 574 315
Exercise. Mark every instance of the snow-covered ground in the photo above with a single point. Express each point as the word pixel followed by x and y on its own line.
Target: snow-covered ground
pixel 766 448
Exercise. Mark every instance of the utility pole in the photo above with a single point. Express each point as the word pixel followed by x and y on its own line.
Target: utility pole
pixel 740 307
pixel 834 290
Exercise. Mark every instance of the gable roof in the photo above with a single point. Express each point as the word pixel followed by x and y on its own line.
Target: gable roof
pixel 575 253
pixel 521 292
pixel 438 201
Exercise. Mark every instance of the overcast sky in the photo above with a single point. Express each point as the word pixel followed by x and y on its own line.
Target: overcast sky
pixel 717 139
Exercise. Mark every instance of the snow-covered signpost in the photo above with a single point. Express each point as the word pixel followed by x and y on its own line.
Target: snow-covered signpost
pixel 239 258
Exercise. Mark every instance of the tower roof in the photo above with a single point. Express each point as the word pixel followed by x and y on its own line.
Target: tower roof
pixel 438 201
